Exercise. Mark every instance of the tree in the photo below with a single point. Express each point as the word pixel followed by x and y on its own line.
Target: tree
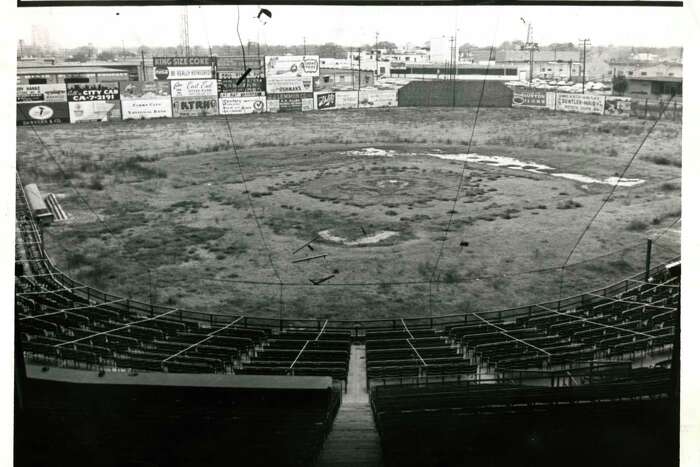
pixel 619 84
pixel 467 47
pixel 390 46
pixel 106 56
pixel 330 50
pixel 560 46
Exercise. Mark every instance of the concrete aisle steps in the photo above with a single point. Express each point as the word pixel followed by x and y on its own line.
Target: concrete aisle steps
pixel 353 440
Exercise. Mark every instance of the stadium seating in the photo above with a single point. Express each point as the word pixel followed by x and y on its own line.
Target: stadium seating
pixel 172 420
pixel 479 388
pixel 413 351
pixel 502 425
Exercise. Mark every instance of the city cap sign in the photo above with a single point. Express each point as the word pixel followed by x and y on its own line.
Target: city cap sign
pixel 85 92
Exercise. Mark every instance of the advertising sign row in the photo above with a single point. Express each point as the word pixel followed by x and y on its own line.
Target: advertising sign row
pixel 291 73
pixel 137 100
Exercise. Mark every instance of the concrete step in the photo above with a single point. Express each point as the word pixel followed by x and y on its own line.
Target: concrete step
pixel 353 440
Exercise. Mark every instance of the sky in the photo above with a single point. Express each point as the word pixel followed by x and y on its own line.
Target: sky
pixel 356 25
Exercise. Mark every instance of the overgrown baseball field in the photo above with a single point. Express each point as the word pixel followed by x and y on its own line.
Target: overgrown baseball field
pixel 375 188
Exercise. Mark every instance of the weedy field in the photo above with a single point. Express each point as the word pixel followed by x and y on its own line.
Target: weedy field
pixel 159 211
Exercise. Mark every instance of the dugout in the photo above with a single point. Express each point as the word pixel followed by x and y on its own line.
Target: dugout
pixel 37 204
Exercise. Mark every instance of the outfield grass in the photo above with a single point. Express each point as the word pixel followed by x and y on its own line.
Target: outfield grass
pixel 172 198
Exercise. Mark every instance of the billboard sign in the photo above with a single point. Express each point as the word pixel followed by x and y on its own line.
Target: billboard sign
pixel 94 111
pixel 88 92
pixel 615 105
pixel 336 100
pixel 249 84
pixel 183 61
pixel 182 72
pixel 582 103
pixel 241 105
pixel 195 106
pixel 290 102
pixel 45 113
pixel 237 63
pixel 145 99
pixel 193 88
pixel 377 98
pixel 291 73
pixel 530 98
pixel 42 93
pixel 325 100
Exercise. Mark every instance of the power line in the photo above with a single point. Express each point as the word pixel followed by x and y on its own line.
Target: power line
pixel 461 182
pixel 666 229
pixel 242 175
pixel 425 282
pixel 607 198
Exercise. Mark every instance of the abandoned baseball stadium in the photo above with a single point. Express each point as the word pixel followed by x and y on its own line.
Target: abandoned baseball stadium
pixel 400 236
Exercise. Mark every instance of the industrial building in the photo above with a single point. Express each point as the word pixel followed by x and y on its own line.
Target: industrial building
pixel 650 86
pixel 49 71
pixel 344 78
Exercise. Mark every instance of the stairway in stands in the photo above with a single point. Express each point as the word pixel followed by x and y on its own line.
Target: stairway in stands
pixel 354 439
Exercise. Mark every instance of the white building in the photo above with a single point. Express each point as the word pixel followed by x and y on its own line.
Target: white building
pixel 440 50
pixel 40 37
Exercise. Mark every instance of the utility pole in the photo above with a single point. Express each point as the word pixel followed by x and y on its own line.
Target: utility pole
pixel 143 65
pixel 453 70
pixel 359 74
pixel 530 46
pixel 185 31
pixel 376 54
pixel 305 46
pixel 584 42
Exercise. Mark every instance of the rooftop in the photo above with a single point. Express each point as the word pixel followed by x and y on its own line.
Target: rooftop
pixel 670 79
pixel 52 70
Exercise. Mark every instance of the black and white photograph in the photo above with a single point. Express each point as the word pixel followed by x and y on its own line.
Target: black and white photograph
pixel 362 234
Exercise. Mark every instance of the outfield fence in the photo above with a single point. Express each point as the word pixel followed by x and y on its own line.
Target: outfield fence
pixel 44 104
